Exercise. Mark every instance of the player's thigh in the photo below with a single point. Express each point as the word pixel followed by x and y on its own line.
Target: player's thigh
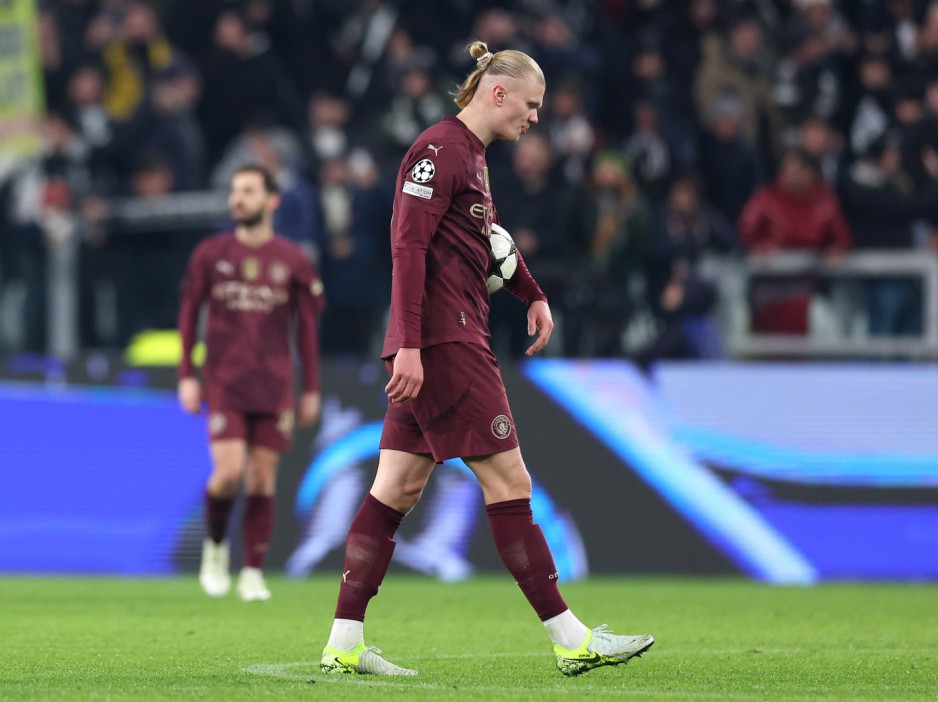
pixel 261 475
pixel 463 409
pixel 502 476
pixel 271 431
pixel 401 478
pixel 229 459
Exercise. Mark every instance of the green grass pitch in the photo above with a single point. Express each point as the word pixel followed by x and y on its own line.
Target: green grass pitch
pixel 113 639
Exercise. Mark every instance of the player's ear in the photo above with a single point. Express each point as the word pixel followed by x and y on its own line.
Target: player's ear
pixel 498 94
pixel 274 201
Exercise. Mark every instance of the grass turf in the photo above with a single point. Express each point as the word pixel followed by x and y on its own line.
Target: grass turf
pixel 111 639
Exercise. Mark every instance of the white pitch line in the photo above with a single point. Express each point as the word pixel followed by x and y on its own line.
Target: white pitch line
pixel 282 671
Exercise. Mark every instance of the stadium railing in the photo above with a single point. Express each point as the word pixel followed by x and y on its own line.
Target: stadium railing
pixel 838 324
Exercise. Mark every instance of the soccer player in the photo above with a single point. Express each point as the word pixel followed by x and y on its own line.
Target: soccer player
pixel 446 397
pixel 254 284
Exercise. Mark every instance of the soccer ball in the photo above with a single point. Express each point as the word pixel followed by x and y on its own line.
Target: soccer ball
pixel 504 258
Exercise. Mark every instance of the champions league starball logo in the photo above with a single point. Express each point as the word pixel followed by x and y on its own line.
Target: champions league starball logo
pixel 423 171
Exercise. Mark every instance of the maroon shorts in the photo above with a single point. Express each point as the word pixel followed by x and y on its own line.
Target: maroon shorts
pixel 462 409
pixel 273 431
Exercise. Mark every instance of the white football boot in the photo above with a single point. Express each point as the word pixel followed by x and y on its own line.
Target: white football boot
pixel 251 585
pixel 213 574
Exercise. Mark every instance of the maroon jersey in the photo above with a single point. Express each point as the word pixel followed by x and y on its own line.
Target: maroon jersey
pixel 443 214
pixel 252 294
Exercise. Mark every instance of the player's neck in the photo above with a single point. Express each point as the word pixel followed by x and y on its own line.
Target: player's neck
pixel 254 236
pixel 476 124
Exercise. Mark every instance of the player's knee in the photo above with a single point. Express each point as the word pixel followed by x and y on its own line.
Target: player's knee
pixel 225 479
pixel 410 494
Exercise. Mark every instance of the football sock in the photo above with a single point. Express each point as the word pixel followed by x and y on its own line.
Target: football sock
pixel 346 634
pixel 565 630
pixel 523 549
pixel 258 526
pixel 368 551
pixel 217 511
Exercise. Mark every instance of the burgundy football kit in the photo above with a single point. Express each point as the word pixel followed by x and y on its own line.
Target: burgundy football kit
pixel 252 295
pixel 443 212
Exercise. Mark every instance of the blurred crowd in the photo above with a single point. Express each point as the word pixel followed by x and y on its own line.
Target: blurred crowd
pixel 671 129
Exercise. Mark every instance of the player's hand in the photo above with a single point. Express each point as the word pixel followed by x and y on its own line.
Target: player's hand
pixel 407 377
pixel 190 395
pixel 540 322
pixel 308 409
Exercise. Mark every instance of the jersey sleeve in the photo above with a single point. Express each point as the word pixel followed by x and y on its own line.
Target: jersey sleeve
pixel 310 301
pixel 429 179
pixel 523 286
pixel 194 291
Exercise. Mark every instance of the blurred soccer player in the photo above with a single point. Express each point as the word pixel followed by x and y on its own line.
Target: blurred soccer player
pixel 254 284
pixel 446 396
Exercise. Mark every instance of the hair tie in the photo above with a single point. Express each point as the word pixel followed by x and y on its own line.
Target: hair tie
pixel 484 59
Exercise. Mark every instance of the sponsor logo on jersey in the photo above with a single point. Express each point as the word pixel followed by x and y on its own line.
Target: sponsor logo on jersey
pixel 485 179
pixel 424 171
pixel 217 423
pixel 421 191
pixel 242 297
pixel 250 268
pixel 224 267
pixel 480 211
pixel 436 149
pixel 501 427
pixel 279 272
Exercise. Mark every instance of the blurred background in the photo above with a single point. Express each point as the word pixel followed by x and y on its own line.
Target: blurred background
pixel 733 207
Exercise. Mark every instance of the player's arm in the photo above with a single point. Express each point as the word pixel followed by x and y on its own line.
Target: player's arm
pixel 413 229
pixel 193 293
pixel 310 301
pixel 419 208
pixel 523 286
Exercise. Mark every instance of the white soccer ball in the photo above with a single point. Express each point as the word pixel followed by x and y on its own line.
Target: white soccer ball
pixel 504 258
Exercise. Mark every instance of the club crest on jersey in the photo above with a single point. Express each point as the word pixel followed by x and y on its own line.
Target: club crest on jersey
pixel 279 272
pixel 224 267
pixel 501 427
pixel 217 423
pixel 424 171
pixel 285 422
pixel 250 268
pixel 461 319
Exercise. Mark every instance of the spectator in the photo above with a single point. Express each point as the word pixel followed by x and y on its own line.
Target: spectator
pixel 611 236
pixel 45 196
pixel 572 135
pixel 651 152
pixel 740 65
pixel 824 145
pixel 133 58
pixel 415 106
pixel 797 212
pixel 533 208
pixel 146 260
pixel 244 85
pixel 870 110
pixel 688 228
pixel 731 167
pixel 881 206
pixel 355 264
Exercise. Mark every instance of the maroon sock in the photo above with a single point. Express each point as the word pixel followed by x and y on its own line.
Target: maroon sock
pixel 368 551
pixel 217 511
pixel 258 526
pixel 521 544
